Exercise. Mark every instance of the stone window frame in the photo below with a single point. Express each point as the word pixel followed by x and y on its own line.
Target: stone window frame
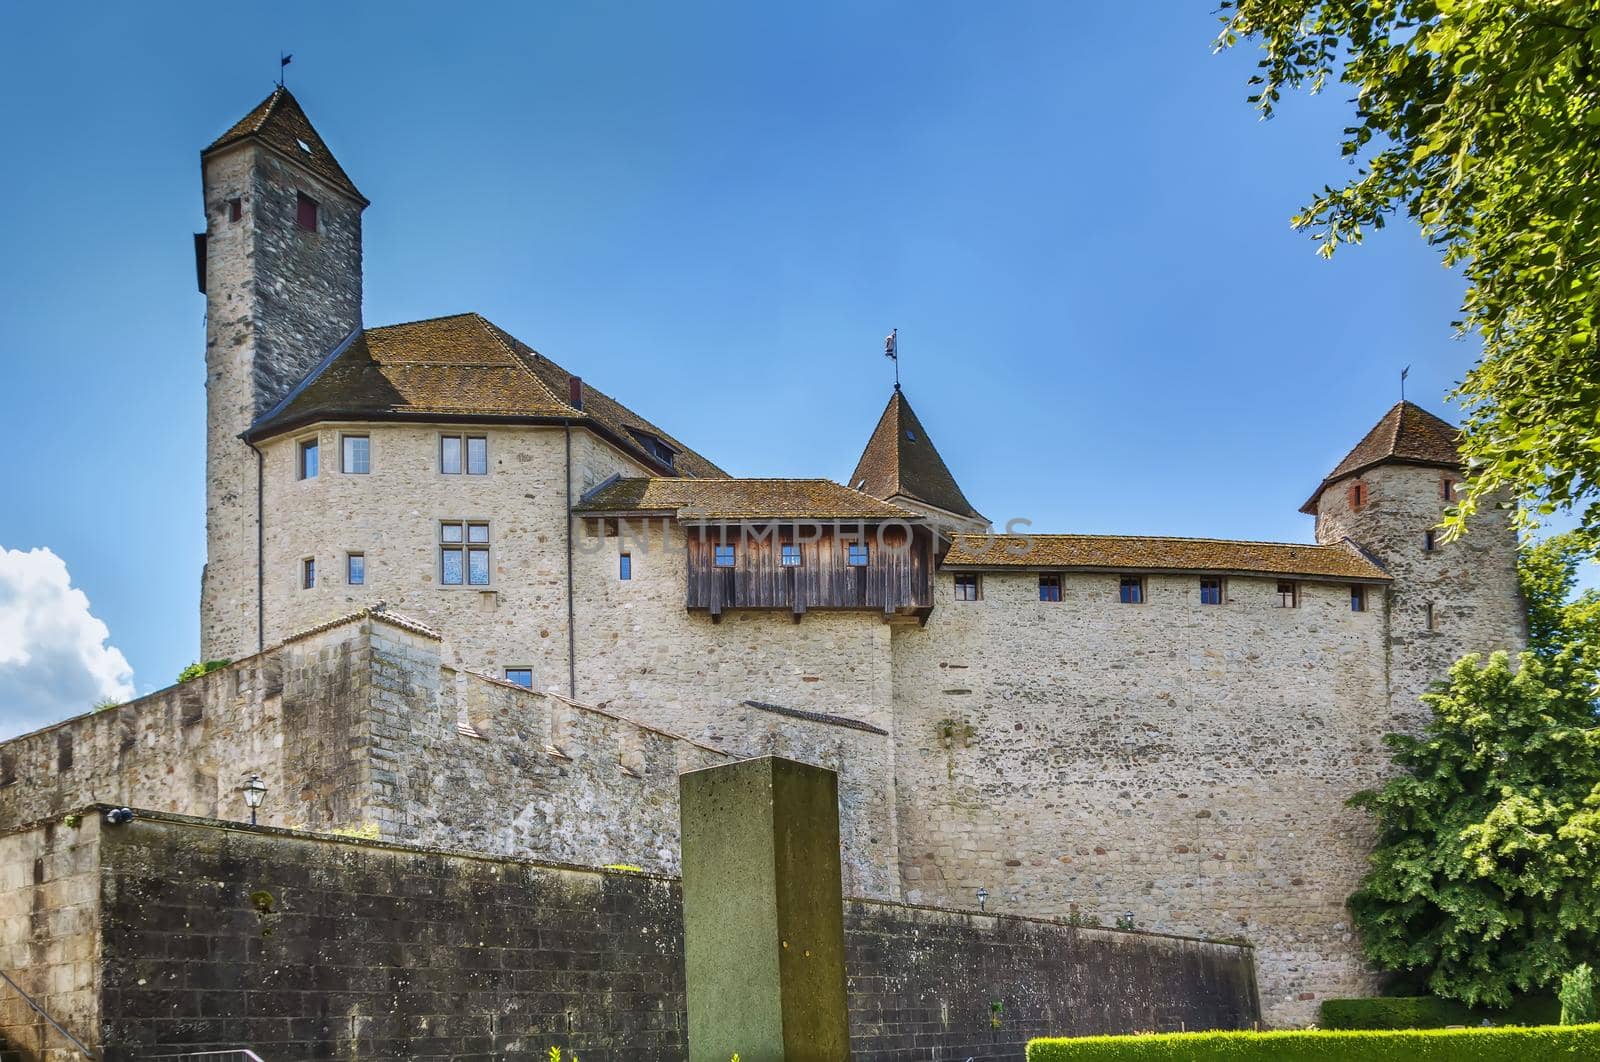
pixel 308 572
pixel 352 555
pixel 466 546
pixel 464 441
pixel 1290 597
pixel 967 586
pixel 302 445
pixel 1430 540
pixel 235 208
pixel 1222 591
pixel 1430 617
pixel 1360 598
pixel 1132 590
pixel 1358 496
pixel 1447 489
pixel 1049 581
pixel 344 438
pixel 625 567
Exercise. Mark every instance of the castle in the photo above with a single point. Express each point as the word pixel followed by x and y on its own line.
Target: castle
pixel 473 600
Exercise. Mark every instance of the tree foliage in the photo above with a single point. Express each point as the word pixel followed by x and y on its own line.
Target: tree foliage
pixel 1577 997
pixel 1480 121
pixel 1486 877
pixel 1563 628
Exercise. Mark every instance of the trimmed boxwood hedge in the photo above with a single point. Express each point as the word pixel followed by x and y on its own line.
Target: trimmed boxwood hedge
pixel 1430 1012
pixel 1549 1042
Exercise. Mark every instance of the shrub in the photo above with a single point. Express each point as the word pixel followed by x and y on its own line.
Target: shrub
pixel 1431 1012
pixel 196 669
pixel 1550 1042
pixel 1577 997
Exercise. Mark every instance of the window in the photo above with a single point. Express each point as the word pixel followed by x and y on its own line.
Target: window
pixel 355 569
pixel 305 212
pixel 855 554
pixel 1430 541
pixel 1288 595
pixel 789 555
pixel 1358 495
pixel 474 447
pixel 308 573
pixel 357 455
pixel 307 460
pixel 235 209
pixel 1447 489
pixel 1358 598
pixel 1131 590
pixel 520 676
pixel 625 566
pixel 652 445
pixel 722 555
pixel 1431 617
pixel 966 588
pixel 464 553
pixel 1049 588
pixel 1211 591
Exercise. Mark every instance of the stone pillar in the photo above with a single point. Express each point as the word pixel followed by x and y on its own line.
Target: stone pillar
pixel 763 913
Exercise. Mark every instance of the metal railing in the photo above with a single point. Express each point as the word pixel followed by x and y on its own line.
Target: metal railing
pixel 56 1025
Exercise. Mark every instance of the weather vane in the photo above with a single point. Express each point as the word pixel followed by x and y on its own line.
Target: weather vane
pixel 891 350
pixel 284 59
pixel 1403 374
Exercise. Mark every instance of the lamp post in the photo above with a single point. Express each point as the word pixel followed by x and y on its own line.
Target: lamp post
pixel 983 898
pixel 255 791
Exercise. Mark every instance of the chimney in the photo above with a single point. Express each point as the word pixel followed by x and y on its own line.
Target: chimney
pixel 575 393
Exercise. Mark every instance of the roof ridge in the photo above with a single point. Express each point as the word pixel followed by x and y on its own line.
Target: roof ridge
pixel 1161 538
pixel 425 320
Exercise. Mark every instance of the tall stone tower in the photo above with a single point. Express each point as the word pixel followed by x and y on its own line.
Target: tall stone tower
pixel 1448 598
pixel 280 265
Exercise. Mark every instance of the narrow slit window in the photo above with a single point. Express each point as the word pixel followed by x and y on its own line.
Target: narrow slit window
pixel 789 555
pixel 966 587
pixel 722 555
pixel 1358 496
pixel 235 209
pixel 1130 590
pixel 1211 591
pixel 520 676
pixel 1430 541
pixel 1447 489
pixel 625 567
pixel 357 456
pixel 308 459
pixel 1431 616
pixel 305 212
pixel 1288 595
pixel 1358 598
pixel 355 569
pixel 308 573
pixel 1049 588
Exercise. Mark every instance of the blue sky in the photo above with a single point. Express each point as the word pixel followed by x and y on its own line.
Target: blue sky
pixel 715 212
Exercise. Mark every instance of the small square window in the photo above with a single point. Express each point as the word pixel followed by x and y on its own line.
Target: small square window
pixel 357 455
pixel 308 573
pixel 1211 591
pixel 308 459
pixel 1358 598
pixel 235 209
pixel 1430 541
pixel 789 555
pixel 722 555
pixel 355 569
pixel 966 587
pixel 305 212
pixel 1049 588
pixel 520 676
pixel 625 566
pixel 1130 590
pixel 1288 595
pixel 477 532
pixel 856 554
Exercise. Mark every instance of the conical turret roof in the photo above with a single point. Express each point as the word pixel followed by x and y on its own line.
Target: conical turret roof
pixel 279 122
pixel 1407 435
pixel 901 461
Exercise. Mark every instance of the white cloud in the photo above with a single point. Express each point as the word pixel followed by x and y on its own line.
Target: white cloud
pixel 54 660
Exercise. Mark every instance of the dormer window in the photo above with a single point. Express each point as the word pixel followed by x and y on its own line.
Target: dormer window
pixel 652 445
pixel 305 212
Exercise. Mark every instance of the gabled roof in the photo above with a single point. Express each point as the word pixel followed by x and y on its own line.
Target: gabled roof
pixel 738 499
pixel 278 122
pixel 1407 434
pixel 901 461
pixel 460 368
pixel 1113 553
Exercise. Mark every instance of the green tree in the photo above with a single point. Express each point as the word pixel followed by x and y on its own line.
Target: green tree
pixel 1563 628
pixel 1484 880
pixel 1577 997
pixel 1481 122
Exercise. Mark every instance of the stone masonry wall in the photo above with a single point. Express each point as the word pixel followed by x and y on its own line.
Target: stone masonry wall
pixel 278 298
pixel 310 947
pixel 49 935
pixel 1183 762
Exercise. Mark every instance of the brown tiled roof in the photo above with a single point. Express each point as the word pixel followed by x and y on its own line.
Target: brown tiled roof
pixel 740 499
pixel 278 122
pixel 1153 553
pixel 900 459
pixel 462 368
pixel 1407 434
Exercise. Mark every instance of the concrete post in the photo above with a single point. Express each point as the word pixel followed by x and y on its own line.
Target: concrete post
pixel 763 913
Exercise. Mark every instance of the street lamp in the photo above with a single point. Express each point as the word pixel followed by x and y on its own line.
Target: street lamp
pixel 983 898
pixel 255 791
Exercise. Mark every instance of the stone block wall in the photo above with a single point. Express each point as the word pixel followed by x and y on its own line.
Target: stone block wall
pixel 216 935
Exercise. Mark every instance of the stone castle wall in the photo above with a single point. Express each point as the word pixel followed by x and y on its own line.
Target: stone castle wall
pixel 1186 763
pixel 205 934
pixel 278 299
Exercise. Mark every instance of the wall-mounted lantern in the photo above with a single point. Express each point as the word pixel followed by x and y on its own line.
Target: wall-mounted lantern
pixel 255 791
pixel 983 898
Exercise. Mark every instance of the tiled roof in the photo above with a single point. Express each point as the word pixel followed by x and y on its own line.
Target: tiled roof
pixel 278 122
pixel 459 367
pixel 1152 553
pixel 740 499
pixel 1407 434
pixel 900 459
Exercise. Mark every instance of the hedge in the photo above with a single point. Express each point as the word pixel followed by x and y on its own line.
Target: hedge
pixel 1549 1042
pixel 1430 1012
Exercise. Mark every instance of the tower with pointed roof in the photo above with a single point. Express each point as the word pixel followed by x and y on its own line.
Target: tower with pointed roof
pixel 280 267
pixel 902 466
pixel 1387 498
